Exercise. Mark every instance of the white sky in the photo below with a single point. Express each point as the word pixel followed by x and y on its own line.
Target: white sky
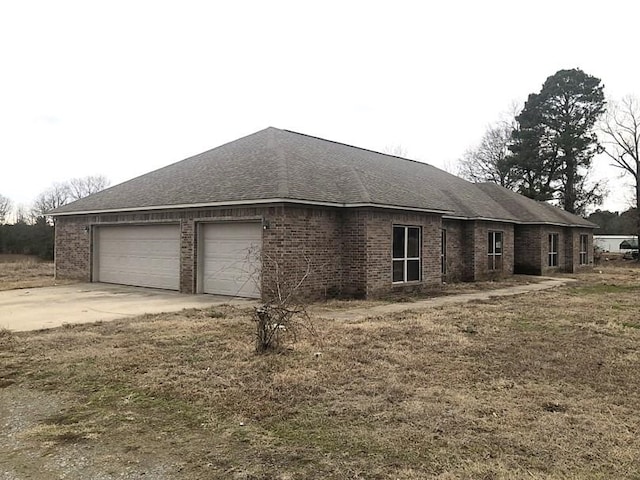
pixel 124 87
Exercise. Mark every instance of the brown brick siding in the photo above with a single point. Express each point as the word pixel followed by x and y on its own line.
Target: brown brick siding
pixel 348 251
pixel 572 249
pixel 545 231
pixel 480 248
pixel 303 241
pixel 73 248
pixel 532 249
pixel 468 248
pixel 188 255
pixel 528 250
pixel 354 248
pixel 379 235
pixel 458 254
pixel 296 237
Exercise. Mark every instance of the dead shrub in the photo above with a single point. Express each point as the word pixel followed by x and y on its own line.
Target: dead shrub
pixel 285 315
pixel 277 323
pixel 7 339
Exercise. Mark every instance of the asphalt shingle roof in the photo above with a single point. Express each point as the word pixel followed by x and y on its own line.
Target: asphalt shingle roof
pixel 275 164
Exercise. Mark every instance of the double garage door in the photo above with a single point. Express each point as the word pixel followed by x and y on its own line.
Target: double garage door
pixel 149 256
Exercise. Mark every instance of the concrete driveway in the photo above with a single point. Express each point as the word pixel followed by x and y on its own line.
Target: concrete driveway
pixel 48 307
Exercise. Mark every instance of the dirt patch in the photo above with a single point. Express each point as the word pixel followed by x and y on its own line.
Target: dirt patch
pixel 540 386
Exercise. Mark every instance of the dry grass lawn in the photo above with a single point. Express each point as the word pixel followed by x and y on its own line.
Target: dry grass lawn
pixel 24 271
pixel 537 386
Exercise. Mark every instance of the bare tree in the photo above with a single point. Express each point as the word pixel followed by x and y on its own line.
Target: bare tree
pixel 396 150
pixel 5 208
pixel 22 214
pixel 85 186
pixel 61 193
pixel 490 161
pixel 621 141
pixel 55 196
pixel 284 313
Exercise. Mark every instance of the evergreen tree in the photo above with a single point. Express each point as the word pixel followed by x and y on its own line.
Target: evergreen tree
pixel 554 141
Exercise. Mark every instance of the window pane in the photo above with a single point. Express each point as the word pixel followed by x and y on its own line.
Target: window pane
pixel 414 243
pixel 398 242
pixel 413 270
pixel 498 247
pixel 443 252
pixel 398 271
pixel 491 242
pixel 443 242
pixel 498 262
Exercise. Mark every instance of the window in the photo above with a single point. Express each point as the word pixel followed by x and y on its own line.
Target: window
pixel 553 249
pixel 584 256
pixel 443 252
pixel 495 250
pixel 406 254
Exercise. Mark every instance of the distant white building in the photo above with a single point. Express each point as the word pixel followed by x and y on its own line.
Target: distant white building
pixel 611 243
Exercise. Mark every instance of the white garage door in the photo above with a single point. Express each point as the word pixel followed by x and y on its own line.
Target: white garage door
pixel 231 258
pixel 146 256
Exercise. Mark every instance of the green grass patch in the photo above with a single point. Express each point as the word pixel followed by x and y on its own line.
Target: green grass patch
pixel 601 289
pixel 631 324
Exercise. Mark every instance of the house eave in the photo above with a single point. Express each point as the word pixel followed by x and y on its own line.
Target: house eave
pixel 247 202
pixel 518 222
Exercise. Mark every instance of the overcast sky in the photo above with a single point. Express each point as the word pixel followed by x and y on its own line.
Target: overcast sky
pixel 124 87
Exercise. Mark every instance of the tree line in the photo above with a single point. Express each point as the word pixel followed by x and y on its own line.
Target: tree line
pixel 614 223
pixel 31 231
pixel 545 150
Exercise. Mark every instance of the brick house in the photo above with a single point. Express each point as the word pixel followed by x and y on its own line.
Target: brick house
pixel 278 206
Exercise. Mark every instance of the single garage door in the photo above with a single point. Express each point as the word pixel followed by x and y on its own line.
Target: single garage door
pixel 141 255
pixel 231 258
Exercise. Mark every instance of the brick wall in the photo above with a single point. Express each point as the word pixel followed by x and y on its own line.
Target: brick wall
pixel 532 249
pixel 480 248
pixel 345 251
pixel 379 237
pixel 572 249
pixel 354 252
pixel 188 255
pixel 297 238
pixel 528 250
pixel 304 241
pixel 458 253
pixel 545 231
pixel 73 248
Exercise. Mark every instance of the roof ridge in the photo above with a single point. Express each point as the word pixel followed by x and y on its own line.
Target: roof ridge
pixel 283 173
pixel 355 146
pixel 361 185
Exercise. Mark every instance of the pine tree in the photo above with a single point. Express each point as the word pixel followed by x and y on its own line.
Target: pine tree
pixel 554 142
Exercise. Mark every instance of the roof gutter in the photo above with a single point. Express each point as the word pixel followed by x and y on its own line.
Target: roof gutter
pixel 519 222
pixel 247 202
pixel 445 213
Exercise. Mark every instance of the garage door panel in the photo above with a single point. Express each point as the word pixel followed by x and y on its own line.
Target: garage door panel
pixel 147 256
pixel 231 259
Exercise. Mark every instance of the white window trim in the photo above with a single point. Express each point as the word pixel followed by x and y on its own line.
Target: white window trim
pixel 492 256
pixel 405 259
pixel 443 251
pixel 553 249
pixel 584 254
